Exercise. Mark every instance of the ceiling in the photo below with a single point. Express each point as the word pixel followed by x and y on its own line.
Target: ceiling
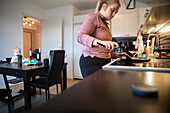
pixel 81 4
pixel 89 4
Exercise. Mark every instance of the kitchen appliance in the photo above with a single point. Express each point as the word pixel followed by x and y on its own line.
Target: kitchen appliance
pixel 152 65
pixel 128 58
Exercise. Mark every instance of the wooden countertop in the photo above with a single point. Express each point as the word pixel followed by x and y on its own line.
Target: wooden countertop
pixel 110 91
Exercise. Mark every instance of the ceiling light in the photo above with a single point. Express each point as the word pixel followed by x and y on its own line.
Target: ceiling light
pixel 26 22
pixel 32 22
pixel 29 24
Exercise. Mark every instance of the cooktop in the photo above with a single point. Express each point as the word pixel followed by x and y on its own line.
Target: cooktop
pixel 156 64
pixel 152 65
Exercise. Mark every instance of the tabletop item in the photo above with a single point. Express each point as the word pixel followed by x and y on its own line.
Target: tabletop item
pixel 31 62
pixel 46 62
pixel 19 60
pixel 8 60
pixel 144 89
pixel 144 56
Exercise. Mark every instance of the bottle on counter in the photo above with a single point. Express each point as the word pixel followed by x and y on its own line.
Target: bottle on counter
pixel 39 55
pixel 30 54
pixel 19 60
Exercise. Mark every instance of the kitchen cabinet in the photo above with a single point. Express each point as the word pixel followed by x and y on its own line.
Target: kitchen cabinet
pixel 124 25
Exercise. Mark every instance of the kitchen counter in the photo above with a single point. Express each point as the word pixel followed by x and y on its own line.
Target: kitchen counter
pixel 156 65
pixel 110 91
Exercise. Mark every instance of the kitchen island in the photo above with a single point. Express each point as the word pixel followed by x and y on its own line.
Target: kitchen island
pixel 110 91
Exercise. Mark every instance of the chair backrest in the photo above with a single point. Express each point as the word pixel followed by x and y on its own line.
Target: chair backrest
pixel 56 66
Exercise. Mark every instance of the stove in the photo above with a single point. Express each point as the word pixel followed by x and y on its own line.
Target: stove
pixel 152 65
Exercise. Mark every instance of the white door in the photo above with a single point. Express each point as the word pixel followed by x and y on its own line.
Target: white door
pixel 77 53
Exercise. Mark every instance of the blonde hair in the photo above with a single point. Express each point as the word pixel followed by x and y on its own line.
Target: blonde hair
pixel 107 2
pixel 18 49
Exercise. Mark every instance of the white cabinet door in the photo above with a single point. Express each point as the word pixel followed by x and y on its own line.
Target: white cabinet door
pixel 117 25
pixel 130 24
pixel 124 25
pixel 77 53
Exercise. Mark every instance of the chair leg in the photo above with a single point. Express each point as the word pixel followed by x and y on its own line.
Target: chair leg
pixel 48 94
pixel 40 91
pixel 61 87
pixel 9 105
pixel 57 88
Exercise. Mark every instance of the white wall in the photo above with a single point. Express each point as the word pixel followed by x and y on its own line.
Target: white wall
pixel 11 35
pixel 84 12
pixel 11 12
pixel 66 13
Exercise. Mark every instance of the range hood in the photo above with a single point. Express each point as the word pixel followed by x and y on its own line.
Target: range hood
pixel 158 18
pixel 131 4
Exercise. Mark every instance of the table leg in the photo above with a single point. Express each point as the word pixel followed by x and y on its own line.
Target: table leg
pixel 65 76
pixel 27 92
pixel 33 87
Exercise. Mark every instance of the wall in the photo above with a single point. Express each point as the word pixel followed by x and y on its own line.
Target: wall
pixel 11 24
pixel 11 34
pixel 66 14
pixel 84 12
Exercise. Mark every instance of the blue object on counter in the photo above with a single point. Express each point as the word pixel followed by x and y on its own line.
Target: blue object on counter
pixel 144 89
pixel 144 56
pixel 32 62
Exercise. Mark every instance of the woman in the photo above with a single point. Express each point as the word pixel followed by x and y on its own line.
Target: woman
pixel 94 30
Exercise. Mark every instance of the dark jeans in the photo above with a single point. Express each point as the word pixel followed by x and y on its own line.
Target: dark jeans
pixel 89 65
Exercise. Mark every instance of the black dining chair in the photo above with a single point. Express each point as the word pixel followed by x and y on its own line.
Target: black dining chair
pixel 54 74
pixel 7 93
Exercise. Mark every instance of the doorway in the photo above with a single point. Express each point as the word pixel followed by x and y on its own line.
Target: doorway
pixel 27 43
pixel 31 37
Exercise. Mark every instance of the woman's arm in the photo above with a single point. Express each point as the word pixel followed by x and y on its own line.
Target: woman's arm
pixel 87 28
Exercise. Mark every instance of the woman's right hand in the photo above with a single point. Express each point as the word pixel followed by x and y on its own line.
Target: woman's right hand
pixel 108 44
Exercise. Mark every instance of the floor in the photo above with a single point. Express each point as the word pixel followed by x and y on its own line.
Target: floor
pixel 36 100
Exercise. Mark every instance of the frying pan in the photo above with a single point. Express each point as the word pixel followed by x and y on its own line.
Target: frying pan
pixel 128 55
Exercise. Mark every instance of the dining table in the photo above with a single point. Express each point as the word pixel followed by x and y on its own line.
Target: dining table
pixel 26 72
